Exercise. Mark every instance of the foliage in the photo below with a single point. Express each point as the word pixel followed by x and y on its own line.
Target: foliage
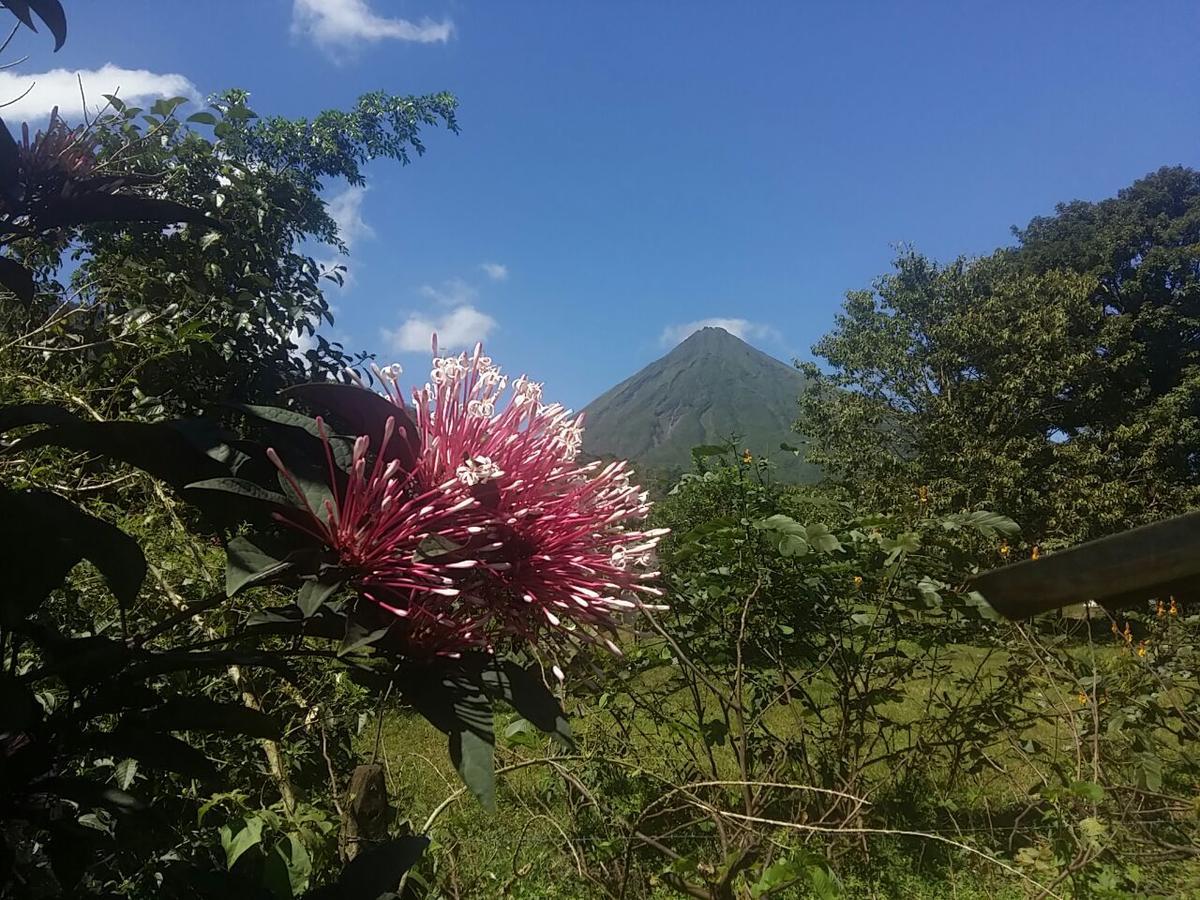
pixel 373 646
pixel 167 321
pixel 1054 380
pixel 825 709
pixel 790 730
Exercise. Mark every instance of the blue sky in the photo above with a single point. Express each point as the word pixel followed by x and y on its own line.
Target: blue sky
pixel 631 168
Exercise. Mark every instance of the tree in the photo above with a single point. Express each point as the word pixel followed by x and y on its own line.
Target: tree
pixel 1055 381
pixel 158 321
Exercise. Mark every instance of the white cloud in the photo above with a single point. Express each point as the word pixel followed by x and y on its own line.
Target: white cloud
pixel 457 328
pixel 344 24
pixel 742 328
pixel 495 271
pixel 346 210
pixel 451 292
pixel 60 87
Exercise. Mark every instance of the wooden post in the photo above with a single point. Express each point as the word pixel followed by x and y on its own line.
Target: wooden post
pixel 1119 570
pixel 366 812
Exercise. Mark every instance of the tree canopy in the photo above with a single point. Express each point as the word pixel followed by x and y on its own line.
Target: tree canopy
pixel 1055 380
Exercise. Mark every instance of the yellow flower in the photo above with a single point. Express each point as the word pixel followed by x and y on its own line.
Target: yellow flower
pixel 1115 629
pixel 1004 550
pixel 1035 553
pixel 1128 634
pixel 1160 610
pixel 747 456
pixel 923 494
pixel 1082 699
pixel 1141 650
pixel 858 581
pixel 1174 609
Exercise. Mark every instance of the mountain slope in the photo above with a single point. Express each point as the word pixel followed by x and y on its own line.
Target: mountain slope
pixel 710 386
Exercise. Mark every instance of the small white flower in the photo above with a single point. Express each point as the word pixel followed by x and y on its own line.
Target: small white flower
pixel 478 470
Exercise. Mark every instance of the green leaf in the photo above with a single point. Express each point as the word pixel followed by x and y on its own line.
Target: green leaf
pixel 241 487
pixel 821 539
pixel 209 239
pixel 703 451
pixel 365 412
pixel 524 691
pixel 472 755
pixel 165 106
pixel 359 635
pixel 314 592
pixel 1087 790
pixel 49 11
pixel 434 546
pixel 165 450
pixel 14 415
pixel 202 714
pixel 124 772
pixel 202 118
pixel 376 870
pixel 236 844
pixel 45 536
pixel 793 545
pixel 156 750
pixel 251 560
pixel 1150 771
pixel 452 696
pixel 17 279
pixel 86 209
pixel 781 523
pixel 988 524
pixel 288 868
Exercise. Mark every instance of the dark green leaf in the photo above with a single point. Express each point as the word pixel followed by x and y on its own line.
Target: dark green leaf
pixel 18 414
pixel 156 750
pixel 90 794
pixel 19 710
pixel 45 536
pixel 16 279
pixel 473 756
pixel 363 411
pixel 376 870
pixel 86 209
pixel 237 843
pixel 202 714
pixel 314 592
pixel 241 487
pixel 160 449
pixel 255 559
pixel 453 697
pixel 525 692
pixel 359 635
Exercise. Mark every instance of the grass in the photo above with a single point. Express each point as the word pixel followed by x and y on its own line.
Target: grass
pixel 538 840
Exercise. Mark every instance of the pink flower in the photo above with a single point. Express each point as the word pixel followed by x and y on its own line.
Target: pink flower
pixel 379 522
pixel 558 559
pixel 485 530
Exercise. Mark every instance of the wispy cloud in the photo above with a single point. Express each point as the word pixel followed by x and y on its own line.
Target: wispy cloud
pixel 345 25
pixel 456 328
pixel 346 210
pixel 60 87
pixel 495 271
pixel 451 292
pixel 742 328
